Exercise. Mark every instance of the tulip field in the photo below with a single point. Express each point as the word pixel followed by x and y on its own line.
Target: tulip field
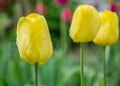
pixel 59 43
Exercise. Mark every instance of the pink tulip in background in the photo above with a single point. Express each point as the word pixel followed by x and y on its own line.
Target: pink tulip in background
pixel 3 5
pixel 40 8
pixel 113 7
pixel 61 2
pixel 66 15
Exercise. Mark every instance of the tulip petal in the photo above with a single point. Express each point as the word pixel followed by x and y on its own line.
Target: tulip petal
pixel 23 38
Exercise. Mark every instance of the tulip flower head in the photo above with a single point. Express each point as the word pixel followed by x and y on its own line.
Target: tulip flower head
pixel 108 33
pixel 85 24
pixel 66 15
pixel 33 39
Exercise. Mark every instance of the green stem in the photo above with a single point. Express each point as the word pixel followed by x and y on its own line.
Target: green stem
pixel 36 74
pixel 81 63
pixel 104 65
pixel 64 35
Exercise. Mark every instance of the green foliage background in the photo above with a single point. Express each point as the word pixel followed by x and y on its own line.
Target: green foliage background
pixel 63 68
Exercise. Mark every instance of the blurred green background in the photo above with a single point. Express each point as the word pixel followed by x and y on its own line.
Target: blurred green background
pixel 63 68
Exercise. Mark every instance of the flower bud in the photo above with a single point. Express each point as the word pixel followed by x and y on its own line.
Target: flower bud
pixel 33 39
pixel 108 32
pixel 85 24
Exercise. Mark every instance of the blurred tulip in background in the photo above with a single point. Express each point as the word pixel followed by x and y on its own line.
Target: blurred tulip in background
pixel 113 7
pixel 3 5
pixel 66 15
pixel 61 2
pixel 40 8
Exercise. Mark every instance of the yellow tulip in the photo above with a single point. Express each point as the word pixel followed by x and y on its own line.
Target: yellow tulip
pixel 33 39
pixel 108 32
pixel 85 24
